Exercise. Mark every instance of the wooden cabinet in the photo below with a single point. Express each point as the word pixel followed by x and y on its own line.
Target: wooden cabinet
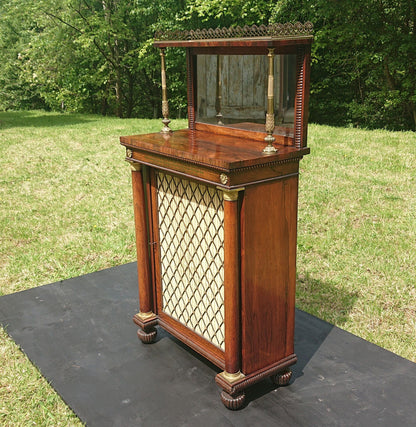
pixel 216 213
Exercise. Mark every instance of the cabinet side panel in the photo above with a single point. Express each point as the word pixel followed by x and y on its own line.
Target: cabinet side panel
pixel 268 274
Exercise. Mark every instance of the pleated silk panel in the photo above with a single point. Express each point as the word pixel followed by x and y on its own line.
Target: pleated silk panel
pixel 191 226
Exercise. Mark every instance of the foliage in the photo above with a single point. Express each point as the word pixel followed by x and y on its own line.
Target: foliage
pixel 17 87
pixel 364 60
pixel 92 56
pixel 226 13
pixel 97 55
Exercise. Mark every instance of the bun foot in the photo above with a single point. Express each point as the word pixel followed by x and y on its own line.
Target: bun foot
pixel 147 337
pixel 232 402
pixel 282 378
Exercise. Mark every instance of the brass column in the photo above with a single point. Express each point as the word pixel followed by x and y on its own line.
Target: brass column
pixel 165 106
pixel 218 97
pixel 270 149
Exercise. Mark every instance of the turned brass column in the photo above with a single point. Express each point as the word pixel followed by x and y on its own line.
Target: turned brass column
pixel 165 106
pixel 270 149
pixel 218 97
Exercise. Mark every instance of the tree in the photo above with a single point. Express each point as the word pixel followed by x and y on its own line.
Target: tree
pixel 97 55
pixel 17 28
pixel 225 13
pixel 86 55
pixel 364 58
pixel 116 35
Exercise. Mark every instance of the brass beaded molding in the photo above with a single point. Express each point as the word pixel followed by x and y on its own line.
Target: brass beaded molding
pixel 236 170
pixel 268 164
pixel 288 29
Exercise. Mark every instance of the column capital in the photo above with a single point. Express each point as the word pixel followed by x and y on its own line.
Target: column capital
pixel 231 195
pixel 135 167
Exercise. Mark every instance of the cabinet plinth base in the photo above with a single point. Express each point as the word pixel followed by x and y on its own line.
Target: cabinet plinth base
pixel 232 395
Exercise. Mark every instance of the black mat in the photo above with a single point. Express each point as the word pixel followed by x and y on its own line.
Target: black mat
pixel 79 333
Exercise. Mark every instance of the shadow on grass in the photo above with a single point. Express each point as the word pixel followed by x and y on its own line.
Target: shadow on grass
pixel 11 119
pixel 332 301
pixel 317 300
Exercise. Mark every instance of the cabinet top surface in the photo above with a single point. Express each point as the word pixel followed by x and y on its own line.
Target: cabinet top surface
pixel 212 150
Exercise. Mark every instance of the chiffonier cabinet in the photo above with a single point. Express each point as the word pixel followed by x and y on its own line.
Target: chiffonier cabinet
pixel 216 204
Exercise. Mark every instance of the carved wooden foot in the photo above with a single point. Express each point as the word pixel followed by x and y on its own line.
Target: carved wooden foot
pixel 282 378
pixel 148 336
pixel 146 323
pixel 233 402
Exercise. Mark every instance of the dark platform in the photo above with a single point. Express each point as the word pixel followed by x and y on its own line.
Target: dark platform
pixel 79 333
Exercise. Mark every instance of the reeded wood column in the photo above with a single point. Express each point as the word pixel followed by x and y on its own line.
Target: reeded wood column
pixel 142 246
pixel 232 305
pixel 232 396
pixel 145 319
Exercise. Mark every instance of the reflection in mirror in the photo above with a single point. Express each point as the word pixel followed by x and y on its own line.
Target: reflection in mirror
pixel 218 97
pixel 232 91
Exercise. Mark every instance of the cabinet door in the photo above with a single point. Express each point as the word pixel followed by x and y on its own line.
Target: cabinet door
pixel 189 264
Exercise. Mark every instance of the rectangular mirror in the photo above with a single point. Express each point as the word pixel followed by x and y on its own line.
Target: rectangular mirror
pixel 232 91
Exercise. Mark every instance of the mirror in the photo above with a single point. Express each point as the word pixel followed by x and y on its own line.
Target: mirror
pixel 232 91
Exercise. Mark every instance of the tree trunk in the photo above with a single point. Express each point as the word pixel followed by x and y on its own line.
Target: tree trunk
pixel 130 96
pixel 412 111
pixel 119 107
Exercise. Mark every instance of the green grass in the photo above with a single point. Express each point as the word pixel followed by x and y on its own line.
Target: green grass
pixel 66 210
pixel 357 234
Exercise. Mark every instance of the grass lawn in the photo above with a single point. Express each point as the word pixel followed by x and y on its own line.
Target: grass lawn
pixel 66 210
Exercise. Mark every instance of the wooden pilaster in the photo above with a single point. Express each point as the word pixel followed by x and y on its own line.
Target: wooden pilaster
pixel 232 305
pixel 142 241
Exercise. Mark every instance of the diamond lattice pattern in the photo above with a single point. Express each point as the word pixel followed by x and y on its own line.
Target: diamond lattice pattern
pixel 191 223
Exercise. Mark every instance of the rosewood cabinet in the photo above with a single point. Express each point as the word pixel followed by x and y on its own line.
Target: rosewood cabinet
pixel 216 204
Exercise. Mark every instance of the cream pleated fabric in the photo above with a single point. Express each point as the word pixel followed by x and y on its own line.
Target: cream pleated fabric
pixel 191 224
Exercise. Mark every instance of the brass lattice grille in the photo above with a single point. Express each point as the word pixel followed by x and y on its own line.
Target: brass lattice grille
pixel 191 224
pixel 273 30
